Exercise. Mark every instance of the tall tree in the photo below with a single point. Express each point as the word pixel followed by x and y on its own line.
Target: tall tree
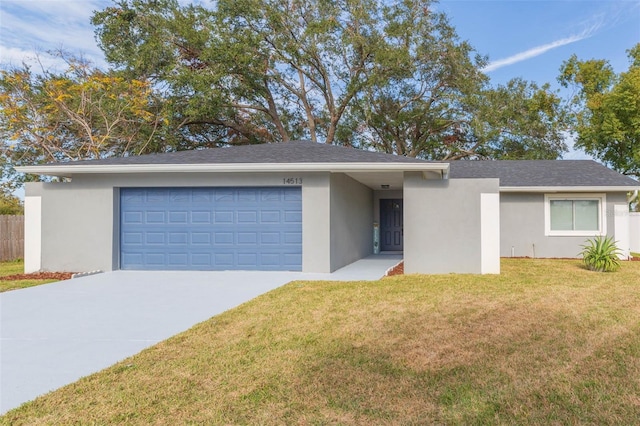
pixel 389 75
pixel 81 113
pixel 518 120
pixel 264 70
pixel 420 100
pixel 606 110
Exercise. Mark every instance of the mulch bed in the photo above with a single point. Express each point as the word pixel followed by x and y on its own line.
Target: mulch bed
pixel 39 276
pixel 396 270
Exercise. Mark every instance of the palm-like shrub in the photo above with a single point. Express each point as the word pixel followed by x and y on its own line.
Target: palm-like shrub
pixel 601 254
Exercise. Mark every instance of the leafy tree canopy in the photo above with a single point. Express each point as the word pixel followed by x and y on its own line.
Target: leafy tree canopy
pixel 82 113
pixel 10 204
pixel 606 110
pixel 390 76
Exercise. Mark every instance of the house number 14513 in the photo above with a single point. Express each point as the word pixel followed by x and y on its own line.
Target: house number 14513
pixel 292 181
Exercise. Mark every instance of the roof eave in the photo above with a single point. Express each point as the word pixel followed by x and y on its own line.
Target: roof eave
pixel 75 169
pixel 548 189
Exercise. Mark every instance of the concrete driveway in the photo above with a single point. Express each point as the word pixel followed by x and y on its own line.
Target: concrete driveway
pixel 54 334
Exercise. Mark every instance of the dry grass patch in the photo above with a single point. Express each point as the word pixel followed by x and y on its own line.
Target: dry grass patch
pixel 545 342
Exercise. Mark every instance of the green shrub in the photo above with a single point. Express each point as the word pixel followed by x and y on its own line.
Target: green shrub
pixel 601 254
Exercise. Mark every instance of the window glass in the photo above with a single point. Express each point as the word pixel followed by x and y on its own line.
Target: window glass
pixel 561 215
pixel 586 215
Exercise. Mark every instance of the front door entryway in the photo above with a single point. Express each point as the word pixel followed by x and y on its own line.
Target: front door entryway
pixel 391 232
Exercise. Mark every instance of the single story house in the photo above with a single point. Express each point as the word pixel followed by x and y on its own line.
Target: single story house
pixel 314 207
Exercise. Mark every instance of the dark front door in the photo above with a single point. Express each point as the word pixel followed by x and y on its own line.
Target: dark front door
pixel 391 233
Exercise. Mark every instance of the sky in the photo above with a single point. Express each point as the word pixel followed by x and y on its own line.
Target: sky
pixel 522 38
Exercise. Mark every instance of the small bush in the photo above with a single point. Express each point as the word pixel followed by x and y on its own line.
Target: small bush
pixel 601 254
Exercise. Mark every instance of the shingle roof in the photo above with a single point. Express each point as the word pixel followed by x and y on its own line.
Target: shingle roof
pixel 512 173
pixel 541 173
pixel 286 152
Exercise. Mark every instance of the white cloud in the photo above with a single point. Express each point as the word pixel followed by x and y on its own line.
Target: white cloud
pixel 31 28
pixel 15 56
pixel 591 27
pixel 531 53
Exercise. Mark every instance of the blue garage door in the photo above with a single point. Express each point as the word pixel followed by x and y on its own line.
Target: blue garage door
pixel 211 228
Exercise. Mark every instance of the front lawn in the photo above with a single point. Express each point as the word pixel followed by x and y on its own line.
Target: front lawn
pixel 545 342
pixel 15 268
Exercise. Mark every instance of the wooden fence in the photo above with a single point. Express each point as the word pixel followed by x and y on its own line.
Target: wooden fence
pixel 11 237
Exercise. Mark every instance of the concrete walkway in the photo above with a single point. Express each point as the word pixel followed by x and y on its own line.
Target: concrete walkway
pixel 54 334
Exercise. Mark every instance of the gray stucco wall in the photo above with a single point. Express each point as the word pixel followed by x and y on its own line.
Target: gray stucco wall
pixel 80 218
pixel 316 225
pixel 351 220
pixel 522 227
pixel 442 222
pixel 77 226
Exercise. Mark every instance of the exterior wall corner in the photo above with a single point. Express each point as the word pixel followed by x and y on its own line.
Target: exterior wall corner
pixel 32 233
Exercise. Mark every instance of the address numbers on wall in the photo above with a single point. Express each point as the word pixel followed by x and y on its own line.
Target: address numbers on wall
pixel 292 181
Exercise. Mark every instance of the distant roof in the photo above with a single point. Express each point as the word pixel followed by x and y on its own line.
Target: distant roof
pixel 545 173
pixel 283 152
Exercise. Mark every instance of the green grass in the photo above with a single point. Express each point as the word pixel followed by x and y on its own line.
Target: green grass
pixel 14 268
pixel 633 254
pixel 545 342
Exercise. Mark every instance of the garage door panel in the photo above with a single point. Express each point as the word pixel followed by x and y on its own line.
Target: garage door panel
pixel 133 238
pixel 201 195
pixel 157 259
pixel 155 238
pixel 247 195
pixel 158 196
pixel 270 238
pixel 178 259
pixel 178 217
pixel 245 238
pixel 274 195
pixel 132 217
pixel 292 216
pixel 246 217
pixel 224 259
pixel 133 196
pixel 270 216
pixel 223 217
pixel 224 195
pixel 293 238
pixel 201 217
pixel 247 259
pixel 224 238
pixel 178 238
pixel 201 259
pixel 133 258
pixel 203 238
pixel 211 228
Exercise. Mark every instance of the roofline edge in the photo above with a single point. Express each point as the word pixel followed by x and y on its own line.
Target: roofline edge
pixel 67 171
pixel 608 188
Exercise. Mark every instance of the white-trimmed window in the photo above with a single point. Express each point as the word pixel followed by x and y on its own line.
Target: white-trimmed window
pixel 575 214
